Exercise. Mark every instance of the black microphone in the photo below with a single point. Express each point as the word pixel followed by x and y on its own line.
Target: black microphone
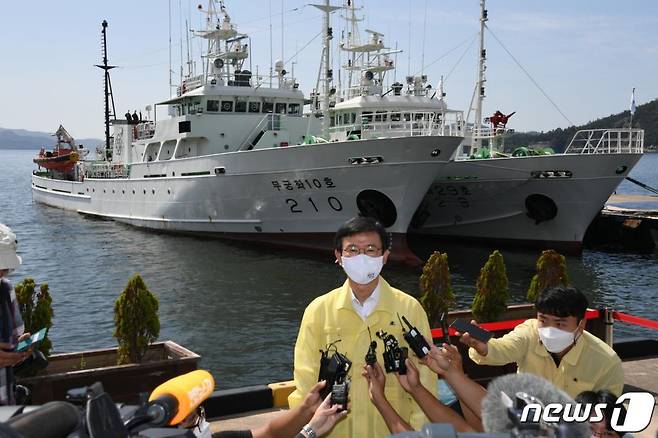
pixel 53 420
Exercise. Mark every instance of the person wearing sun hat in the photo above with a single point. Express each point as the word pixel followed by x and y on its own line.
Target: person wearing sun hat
pixel 11 323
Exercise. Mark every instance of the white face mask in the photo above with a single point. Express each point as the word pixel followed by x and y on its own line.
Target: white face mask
pixel 556 340
pixel 361 268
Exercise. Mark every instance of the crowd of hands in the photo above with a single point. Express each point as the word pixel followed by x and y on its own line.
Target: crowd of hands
pixel 445 361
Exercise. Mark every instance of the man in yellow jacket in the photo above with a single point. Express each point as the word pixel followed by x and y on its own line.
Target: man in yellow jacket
pixel 348 316
pixel 556 346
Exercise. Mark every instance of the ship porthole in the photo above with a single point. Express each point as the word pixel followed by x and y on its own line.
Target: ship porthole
pixel 541 208
pixel 621 169
pixel 375 204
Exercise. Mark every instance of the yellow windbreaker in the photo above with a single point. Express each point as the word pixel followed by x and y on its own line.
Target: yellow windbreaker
pixel 590 365
pixel 332 317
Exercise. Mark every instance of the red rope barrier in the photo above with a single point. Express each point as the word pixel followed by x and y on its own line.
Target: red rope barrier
pixel 506 325
pixel 635 320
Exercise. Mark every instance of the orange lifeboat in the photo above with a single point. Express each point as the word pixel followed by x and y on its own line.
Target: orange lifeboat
pixel 63 156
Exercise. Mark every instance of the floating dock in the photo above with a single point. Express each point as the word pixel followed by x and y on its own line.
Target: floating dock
pixel 627 222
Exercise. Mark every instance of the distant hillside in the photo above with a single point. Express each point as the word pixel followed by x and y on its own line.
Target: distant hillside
pixel 22 139
pixel 646 117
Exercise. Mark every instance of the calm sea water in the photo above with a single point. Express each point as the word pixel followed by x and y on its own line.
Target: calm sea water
pixel 239 307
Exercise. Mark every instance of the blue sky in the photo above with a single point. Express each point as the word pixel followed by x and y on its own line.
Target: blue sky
pixel 586 55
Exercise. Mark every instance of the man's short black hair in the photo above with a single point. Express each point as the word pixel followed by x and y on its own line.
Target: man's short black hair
pixel 361 224
pixel 610 401
pixel 562 301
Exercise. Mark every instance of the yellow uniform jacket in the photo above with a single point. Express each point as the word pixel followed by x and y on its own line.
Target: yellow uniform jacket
pixel 331 317
pixel 590 365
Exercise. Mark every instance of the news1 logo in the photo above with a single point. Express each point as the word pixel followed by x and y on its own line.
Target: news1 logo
pixel 638 415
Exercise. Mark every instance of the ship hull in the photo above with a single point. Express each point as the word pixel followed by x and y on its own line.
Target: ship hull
pixel 540 201
pixel 295 196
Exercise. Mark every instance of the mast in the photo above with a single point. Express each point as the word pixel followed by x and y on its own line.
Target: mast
pixel 479 90
pixel 326 72
pixel 109 97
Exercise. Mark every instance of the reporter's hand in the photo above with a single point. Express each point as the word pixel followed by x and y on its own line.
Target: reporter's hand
pixel 410 381
pixel 313 400
pixel 326 416
pixel 9 358
pixel 467 339
pixel 376 380
pixel 434 360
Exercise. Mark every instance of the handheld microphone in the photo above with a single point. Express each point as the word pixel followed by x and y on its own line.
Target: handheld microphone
pixel 495 413
pixel 54 419
pixel 177 398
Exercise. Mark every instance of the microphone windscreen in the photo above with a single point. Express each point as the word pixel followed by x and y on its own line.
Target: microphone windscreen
pixel 494 411
pixel 52 420
pixel 190 390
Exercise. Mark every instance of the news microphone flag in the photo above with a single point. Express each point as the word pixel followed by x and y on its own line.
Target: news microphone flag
pixel 633 102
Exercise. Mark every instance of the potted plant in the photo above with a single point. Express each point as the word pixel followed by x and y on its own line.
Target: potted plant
pixel 491 297
pixel 435 287
pixel 136 321
pixel 551 271
pixel 137 365
pixel 36 310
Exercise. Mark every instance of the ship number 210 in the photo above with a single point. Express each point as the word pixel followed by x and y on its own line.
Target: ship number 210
pixel 296 207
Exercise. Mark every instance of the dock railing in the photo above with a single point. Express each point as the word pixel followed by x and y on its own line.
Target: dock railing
pixel 607 141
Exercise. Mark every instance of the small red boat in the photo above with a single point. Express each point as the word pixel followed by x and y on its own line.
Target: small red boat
pixel 63 156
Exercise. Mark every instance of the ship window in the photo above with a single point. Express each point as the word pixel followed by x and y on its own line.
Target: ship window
pixel 293 109
pixel 280 108
pixel 380 116
pixel 332 121
pixel 212 106
pixel 268 107
pixel 254 107
pixel 419 116
pixel 395 117
pixel 366 117
pixel 240 106
pixel 353 118
pixel 407 117
pixel 227 106
pixel 185 126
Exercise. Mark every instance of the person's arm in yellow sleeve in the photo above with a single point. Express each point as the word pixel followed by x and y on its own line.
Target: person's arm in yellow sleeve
pixel 307 359
pixel 427 378
pixel 612 379
pixel 510 348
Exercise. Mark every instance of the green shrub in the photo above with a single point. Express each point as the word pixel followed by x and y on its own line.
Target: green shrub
pixel 36 310
pixel 435 287
pixel 491 297
pixel 136 321
pixel 551 271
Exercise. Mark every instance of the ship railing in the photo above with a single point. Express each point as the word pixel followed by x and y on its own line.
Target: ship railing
pixel 488 132
pixel 412 124
pixel 269 122
pixel 145 130
pixel 607 141
pixel 105 170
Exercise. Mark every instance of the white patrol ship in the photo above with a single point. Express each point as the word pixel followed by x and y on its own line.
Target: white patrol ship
pixel 483 194
pixel 238 159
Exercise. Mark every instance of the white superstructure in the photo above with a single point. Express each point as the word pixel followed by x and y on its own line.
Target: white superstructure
pixel 239 159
